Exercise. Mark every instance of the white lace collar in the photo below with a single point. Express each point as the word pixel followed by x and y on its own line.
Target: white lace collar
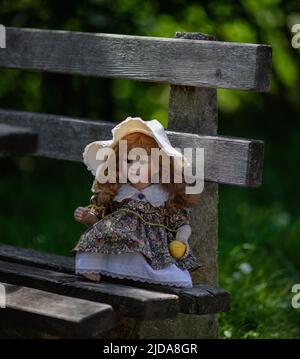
pixel 155 194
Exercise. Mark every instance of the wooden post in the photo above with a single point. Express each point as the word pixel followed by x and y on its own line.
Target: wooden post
pixel 194 110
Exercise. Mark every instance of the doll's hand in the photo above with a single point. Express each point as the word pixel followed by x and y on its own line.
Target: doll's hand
pixel 84 216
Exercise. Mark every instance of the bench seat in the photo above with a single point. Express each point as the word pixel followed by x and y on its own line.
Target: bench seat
pixel 55 274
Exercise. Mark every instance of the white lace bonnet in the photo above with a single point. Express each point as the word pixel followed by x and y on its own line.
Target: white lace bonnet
pixel 151 128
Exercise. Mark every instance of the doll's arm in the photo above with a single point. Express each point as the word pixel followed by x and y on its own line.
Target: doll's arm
pixel 90 214
pixel 183 234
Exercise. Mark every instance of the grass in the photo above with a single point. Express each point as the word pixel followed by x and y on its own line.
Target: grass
pixel 259 263
pixel 258 240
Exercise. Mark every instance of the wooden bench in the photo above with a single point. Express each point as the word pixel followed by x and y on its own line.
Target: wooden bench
pixel 42 287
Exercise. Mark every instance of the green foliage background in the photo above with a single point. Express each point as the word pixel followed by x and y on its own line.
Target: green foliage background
pixel 259 228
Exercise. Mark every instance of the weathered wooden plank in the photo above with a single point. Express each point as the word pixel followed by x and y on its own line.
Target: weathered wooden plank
pixel 129 301
pixel 156 59
pixel 197 300
pixel 15 140
pixel 202 299
pixel 37 259
pixel 33 312
pixel 228 160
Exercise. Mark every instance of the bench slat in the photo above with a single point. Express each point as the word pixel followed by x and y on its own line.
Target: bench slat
pixel 156 59
pixel 16 140
pixel 37 259
pixel 228 160
pixel 200 299
pixel 132 302
pixel 43 312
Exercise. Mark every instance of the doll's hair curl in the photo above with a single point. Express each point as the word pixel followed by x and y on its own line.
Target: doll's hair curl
pixel 177 196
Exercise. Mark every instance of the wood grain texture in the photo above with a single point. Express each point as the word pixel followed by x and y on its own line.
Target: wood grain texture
pixel 181 61
pixel 197 300
pixel 38 259
pixel 34 312
pixel 129 301
pixel 15 140
pixel 228 160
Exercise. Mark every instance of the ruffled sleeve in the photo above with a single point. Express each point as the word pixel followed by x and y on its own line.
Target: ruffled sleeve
pixel 179 218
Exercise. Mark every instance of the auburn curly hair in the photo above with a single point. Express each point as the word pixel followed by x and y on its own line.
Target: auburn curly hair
pixel 177 196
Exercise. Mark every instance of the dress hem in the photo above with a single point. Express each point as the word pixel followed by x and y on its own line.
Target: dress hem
pixel 115 275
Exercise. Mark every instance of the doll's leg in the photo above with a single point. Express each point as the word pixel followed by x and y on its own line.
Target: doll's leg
pixel 92 276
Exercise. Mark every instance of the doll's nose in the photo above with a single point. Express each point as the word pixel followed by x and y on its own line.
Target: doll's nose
pixel 134 166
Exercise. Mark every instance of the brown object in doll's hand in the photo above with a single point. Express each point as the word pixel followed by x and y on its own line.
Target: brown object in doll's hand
pixel 85 216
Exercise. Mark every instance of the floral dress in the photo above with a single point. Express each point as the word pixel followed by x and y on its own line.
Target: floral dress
pixel 132 240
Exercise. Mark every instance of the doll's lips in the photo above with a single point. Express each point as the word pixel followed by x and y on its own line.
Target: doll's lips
pixel 141 177
pixel 134 172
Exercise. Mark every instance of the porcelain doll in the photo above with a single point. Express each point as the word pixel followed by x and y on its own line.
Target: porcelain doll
pixel 132 225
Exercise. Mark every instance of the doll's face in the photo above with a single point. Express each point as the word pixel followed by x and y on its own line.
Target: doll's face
pixel 136 163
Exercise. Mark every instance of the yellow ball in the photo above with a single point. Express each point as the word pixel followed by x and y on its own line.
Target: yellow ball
pixel 177 249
